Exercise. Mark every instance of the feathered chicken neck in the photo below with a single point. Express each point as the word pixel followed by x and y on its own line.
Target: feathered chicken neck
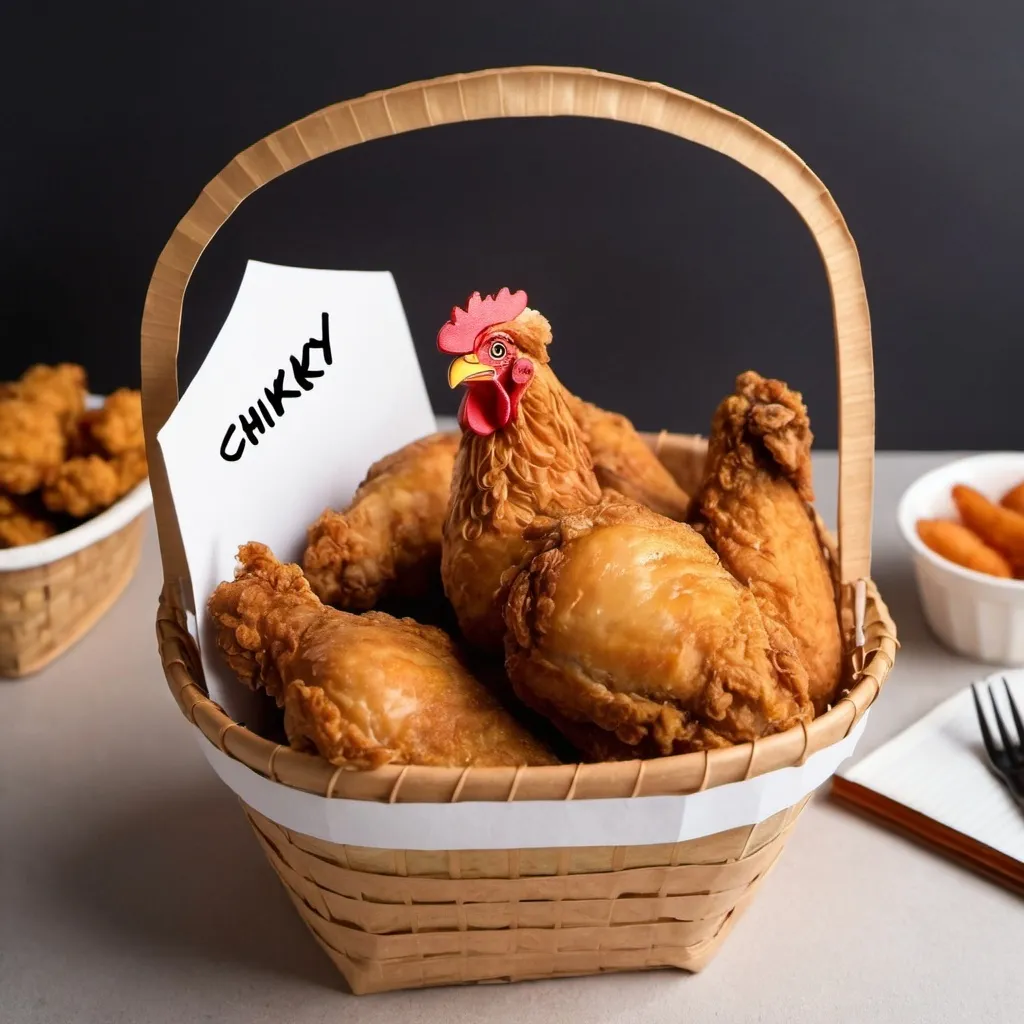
pixel 537 465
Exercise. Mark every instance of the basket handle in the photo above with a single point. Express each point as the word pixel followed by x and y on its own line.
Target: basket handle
pixel 526 92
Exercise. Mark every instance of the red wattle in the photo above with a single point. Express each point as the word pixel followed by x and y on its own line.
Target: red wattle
pixel 486 408
pixel 522 375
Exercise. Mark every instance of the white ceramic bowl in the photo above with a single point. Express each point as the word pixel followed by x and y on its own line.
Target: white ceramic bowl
pixel 975 614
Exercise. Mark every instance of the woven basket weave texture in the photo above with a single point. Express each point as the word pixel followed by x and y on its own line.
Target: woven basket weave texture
pixel 46 609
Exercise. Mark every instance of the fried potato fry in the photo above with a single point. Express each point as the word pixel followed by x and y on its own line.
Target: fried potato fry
pixel 958 544
pixel 1014 500
pixel 1000 528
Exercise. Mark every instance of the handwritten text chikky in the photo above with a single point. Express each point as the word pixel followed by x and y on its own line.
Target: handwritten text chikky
pixel 260 418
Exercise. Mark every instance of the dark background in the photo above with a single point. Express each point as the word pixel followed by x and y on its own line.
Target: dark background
pixel 912 112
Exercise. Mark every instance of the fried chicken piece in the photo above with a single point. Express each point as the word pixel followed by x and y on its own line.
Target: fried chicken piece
pixel 363 690
pixel 624 463
pixel 20 523
pixel 32 444
pixel 754 507
pixel 85 485
pixel 61 389
pixel 113 429
pixel 82 486
pixel 627 631
pixel 132 468
pixel 117 427
pixel 387 542
pixel 109 458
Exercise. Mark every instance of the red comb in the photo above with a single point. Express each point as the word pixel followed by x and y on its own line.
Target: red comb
pixel 460 333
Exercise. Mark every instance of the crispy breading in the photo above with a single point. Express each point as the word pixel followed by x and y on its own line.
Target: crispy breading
pixel 117 427
pixel 87 484
pixel 387 541
pixel 754 507
pixel 32 444
pixel 62 389
pixel 624 463
pixel 363 690
pixel 108 460
pixel 82 486
pixel 21 523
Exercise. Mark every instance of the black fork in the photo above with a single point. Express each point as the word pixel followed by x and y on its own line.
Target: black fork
pixel 1007 760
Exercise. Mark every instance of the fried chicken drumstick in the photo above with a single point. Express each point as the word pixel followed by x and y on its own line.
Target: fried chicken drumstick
pixel 754 507
pixel 387 542
pixel 363 690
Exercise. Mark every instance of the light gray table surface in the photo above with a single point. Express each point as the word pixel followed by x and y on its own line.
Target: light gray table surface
pixel 132 890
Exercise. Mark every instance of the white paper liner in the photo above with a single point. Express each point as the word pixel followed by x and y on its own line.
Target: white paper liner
pixel 531 824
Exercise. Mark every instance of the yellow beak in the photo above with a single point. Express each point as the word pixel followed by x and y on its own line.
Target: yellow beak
pixel 467 367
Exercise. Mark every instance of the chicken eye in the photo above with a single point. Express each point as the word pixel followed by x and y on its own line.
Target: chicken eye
pixel 498 350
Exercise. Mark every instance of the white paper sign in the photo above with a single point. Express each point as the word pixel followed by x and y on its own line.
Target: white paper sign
pixel 311 379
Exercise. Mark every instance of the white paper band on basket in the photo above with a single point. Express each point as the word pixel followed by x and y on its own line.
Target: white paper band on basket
pixel 480 825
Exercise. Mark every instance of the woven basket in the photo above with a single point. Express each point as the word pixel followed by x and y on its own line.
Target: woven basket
pixel 410 918
pixel 47 608
pixel 54 592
